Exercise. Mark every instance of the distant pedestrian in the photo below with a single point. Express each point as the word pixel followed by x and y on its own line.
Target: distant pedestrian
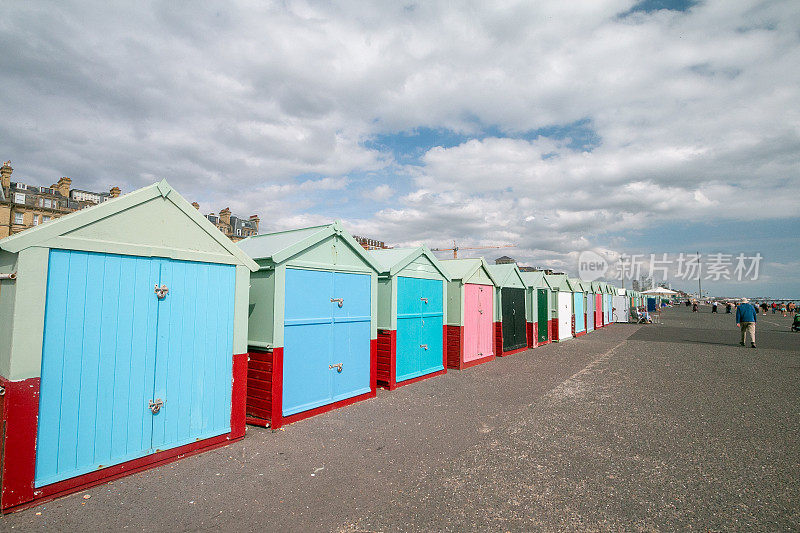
pixel 694 307
pixel 714 307
pixel 774 307
pixel 764 307
pixel 783 309
pixel 746 320
pixel 728 307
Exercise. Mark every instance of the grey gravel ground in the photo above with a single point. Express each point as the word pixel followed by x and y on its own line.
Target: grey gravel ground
pixel 659 427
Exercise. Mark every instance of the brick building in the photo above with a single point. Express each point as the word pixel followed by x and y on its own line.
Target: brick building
pixel 234 227
pixel 23 206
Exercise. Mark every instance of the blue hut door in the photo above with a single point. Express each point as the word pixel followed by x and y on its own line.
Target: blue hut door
pixel 351 335
pixel 111 347
pixel 579 312
pixel 420 319
pixel 319 335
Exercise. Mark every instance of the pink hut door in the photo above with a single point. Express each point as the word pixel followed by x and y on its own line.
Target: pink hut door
pixel 486 338
pixel 477 321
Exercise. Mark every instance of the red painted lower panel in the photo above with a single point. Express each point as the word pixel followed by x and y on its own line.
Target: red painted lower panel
pixel 553 329
pixel 498 339
pixel 530 334
pixel 580 334
pixel 455 350
pixel 239 396
pixel 512 352
pixel 277 420
pixel 19 420
pixel 387 358
pixel 572 325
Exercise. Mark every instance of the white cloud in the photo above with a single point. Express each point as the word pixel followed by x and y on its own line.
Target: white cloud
pixel 266 107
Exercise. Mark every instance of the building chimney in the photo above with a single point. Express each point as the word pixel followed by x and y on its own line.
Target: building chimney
pixel 255 220
pixel 195 205
pixel 63 186
pixel 114 192
pixel 225 216
pixel 5 173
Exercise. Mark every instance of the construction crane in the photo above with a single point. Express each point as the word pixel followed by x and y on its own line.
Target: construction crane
pixel 456 248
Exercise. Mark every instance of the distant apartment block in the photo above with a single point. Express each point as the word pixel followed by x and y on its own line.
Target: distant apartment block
pixel 24 206
pixel 370 244
pixel 234 227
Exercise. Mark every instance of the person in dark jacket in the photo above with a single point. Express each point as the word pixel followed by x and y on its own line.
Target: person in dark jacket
pixel 728 307
pixel 746 320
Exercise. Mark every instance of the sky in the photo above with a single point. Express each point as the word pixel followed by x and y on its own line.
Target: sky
pixel 617 126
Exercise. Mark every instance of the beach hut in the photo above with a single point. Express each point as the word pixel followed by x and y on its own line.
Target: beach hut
pixel 562 308
pixel 539 294
pixel 608 304
pixel 510 333
pixel 597 294
pixel 470 313
pixel 578 307
pixel 412 297
pixel 122 343
pixel 312 329
pixel 621 302
pixel 588 286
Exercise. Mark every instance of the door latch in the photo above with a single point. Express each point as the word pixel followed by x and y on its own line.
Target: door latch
pixel 337 366
pixel 424 300
pixel 161 292
pixel 340 301
pixel 423 346
pixel 155 407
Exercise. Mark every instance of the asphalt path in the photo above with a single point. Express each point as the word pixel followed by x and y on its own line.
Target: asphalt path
pixel 670 426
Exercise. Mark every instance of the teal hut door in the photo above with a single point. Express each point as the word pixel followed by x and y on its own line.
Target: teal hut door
pixel 112 348
pixel 326 354
pixel 419 327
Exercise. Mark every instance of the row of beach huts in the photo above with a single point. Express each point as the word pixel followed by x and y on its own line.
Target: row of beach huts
pixel 134 333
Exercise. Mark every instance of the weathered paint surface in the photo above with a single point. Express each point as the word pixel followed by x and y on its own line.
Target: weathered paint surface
pixel 111 346
pixel 564 315
pixel 419 327
pixel 319 335
pixel 478 323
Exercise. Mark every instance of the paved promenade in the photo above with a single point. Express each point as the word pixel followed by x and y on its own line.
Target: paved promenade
pixel 659 427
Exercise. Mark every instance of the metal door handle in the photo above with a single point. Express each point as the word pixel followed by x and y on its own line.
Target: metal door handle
pixel 480 311
pixel 339 300
pixel 337 366
pixel 424 346
pixel 161 292
pixel 155 407
pixel 424 300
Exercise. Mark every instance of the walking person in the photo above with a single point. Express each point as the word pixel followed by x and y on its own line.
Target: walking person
pixel 714 307
pixel 694 307
pixel 764 307
pixel 746 320
pixel 783 308
pixel 728 307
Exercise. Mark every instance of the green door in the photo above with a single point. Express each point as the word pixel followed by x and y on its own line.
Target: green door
pixel 543 314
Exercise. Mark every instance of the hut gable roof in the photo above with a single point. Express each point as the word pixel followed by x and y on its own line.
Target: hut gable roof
pixel 115 226
pixel 507 274
pixel 392 260
pixel 558 282
pixel 463 269
pixel 283 245
pixel 535 280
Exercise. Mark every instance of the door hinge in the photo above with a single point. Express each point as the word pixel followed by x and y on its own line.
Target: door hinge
pixel 337 366
pixel 423 346
pixel 340 301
